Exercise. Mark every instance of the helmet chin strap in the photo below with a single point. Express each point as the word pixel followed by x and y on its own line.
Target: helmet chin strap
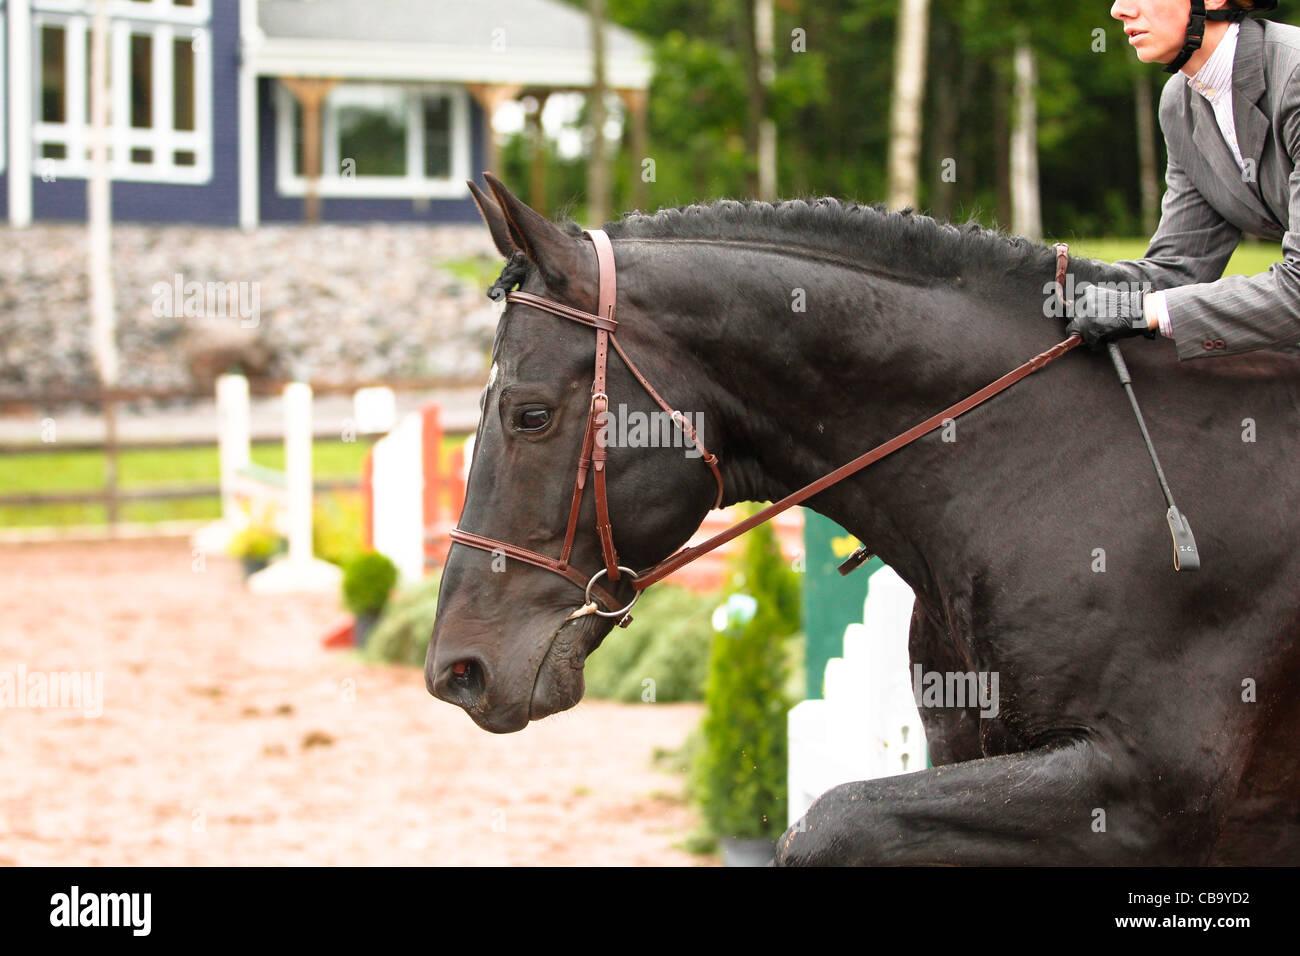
pixel 1196 31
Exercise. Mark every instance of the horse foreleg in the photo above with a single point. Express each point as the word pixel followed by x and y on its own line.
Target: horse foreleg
pixel 1065 804
pixel 952 734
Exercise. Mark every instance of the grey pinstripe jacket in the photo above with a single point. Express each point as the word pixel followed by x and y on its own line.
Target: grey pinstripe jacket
pixel 1209 202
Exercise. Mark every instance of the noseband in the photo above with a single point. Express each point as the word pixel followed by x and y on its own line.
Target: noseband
pixel 593 459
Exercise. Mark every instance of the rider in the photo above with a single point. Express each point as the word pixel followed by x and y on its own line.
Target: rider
pixel 1231 123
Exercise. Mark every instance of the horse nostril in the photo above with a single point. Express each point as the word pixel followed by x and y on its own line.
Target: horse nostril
pixel 464 683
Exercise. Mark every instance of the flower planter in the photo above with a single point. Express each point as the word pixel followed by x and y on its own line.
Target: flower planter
pixel 253 565
pixel 362 625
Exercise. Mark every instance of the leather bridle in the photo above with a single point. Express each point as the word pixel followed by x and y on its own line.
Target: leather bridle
pixel 593 460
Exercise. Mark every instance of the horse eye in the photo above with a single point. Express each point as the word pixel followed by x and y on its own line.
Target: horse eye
pixel 533 419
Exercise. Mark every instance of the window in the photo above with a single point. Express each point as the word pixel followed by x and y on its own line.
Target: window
pixel 183 85
pixel 437 137
pixel 372 130
pixel 380 140
pixel 54 106
pixel 141 81
pixel 160 110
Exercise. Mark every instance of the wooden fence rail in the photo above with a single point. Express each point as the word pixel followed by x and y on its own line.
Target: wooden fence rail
pixel 47 398
pixel 161 493
pixel 108 400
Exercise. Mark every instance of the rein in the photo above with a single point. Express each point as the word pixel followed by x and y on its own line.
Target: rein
pixel 593 459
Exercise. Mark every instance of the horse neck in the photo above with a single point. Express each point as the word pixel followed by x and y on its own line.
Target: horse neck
pixel 789 396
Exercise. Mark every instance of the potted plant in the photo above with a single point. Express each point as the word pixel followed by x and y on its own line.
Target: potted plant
pixel 254 545
pixel 367 581
pixel 741 770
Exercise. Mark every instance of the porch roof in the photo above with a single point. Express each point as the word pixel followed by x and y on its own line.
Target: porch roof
pixel 542 43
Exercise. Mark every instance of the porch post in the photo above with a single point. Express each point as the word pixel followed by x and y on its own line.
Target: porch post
pixel 310 92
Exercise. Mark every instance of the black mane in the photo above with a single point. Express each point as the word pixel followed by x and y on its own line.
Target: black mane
pixel 900 243
pixel 904 242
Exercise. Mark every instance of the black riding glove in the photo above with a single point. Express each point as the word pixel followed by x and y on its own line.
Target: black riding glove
pixel 1102 315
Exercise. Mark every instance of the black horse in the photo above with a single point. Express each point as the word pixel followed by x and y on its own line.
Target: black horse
pixel 1145 716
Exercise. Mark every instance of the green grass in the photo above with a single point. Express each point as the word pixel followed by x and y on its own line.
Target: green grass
pixel 1251 258
pixel 54 472
pixel 477 271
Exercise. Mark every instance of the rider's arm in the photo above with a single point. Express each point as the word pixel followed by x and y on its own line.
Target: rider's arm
pixel 1241 313
pixel 1237 313
pixel 1193 242
pixel 1188 226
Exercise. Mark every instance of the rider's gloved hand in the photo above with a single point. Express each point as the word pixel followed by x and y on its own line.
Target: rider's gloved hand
pixel 1102 315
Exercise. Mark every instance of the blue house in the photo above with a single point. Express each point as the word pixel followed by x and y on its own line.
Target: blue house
pixel 236 112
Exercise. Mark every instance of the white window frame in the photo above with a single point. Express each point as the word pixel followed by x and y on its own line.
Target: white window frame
pixel 153 10
pixel 334 185
pixel 74 133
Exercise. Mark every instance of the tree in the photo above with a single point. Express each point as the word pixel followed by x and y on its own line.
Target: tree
pixel 905 123
pixel 1146 134
pixel 1026 204
pixel 757 16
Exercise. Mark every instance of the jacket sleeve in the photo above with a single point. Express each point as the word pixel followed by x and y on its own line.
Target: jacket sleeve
pixel 1192 244
pixel 1242 313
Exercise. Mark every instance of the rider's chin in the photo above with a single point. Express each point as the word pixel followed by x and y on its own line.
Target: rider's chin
pixel 1148 55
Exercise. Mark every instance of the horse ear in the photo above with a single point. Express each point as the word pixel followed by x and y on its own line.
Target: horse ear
pixel 550 248
pixel 495 219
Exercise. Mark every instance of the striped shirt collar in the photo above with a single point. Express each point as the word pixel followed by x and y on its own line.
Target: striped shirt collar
pixel 1214 78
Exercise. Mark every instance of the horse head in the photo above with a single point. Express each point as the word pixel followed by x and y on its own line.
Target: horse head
pixel 506 645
